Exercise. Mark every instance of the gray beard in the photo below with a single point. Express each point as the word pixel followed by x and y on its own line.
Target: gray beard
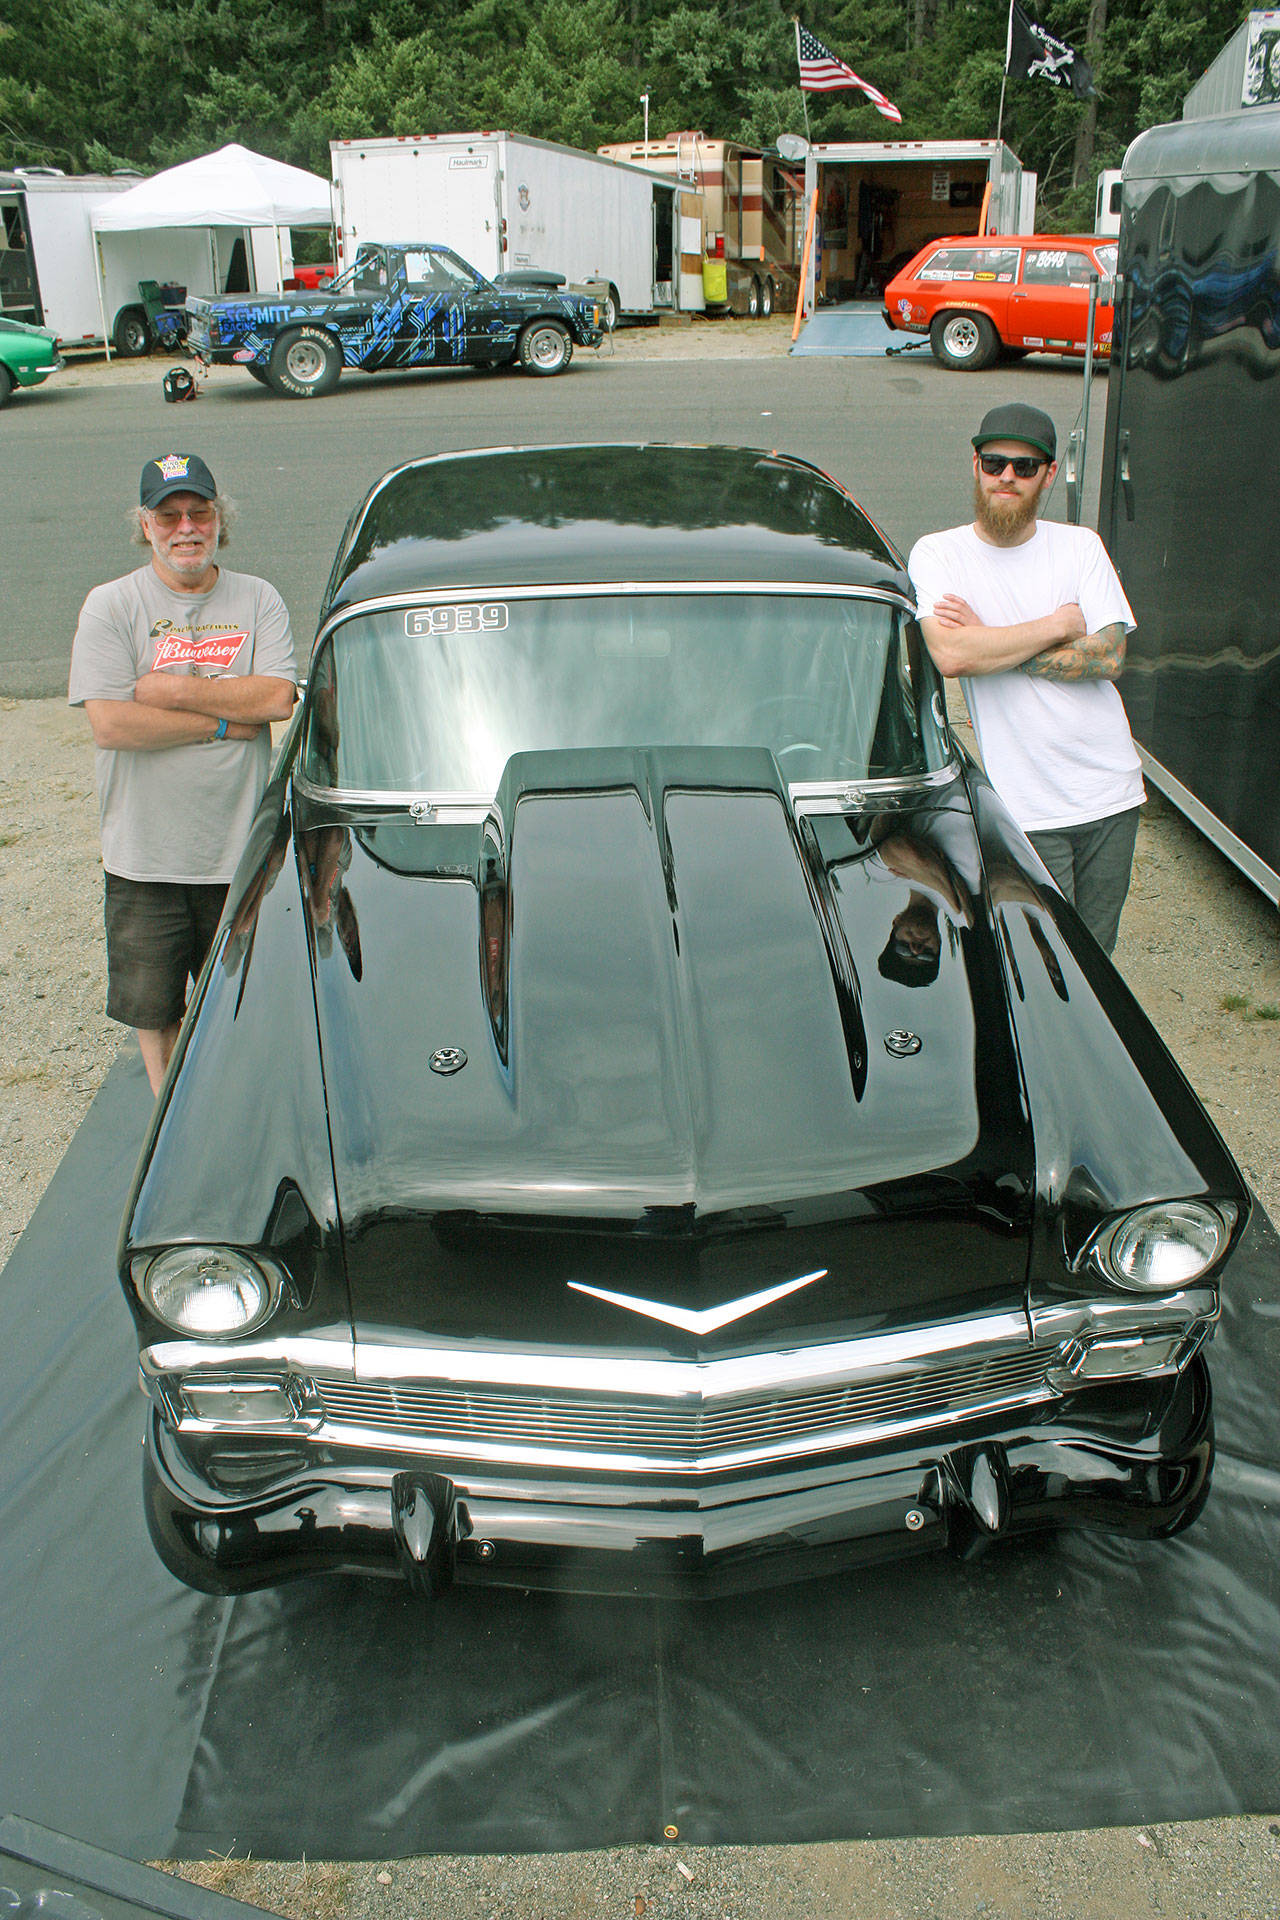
pixel 1003 523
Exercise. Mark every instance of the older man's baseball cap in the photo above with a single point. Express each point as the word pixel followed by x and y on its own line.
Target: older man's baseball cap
pixel 1017 421
pixel 175 473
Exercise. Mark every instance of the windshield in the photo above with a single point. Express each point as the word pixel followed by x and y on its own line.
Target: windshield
pixel 436 698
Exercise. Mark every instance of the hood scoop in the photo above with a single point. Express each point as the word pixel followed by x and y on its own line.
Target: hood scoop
pixel 653 914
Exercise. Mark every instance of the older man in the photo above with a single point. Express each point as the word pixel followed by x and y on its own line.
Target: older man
pixel 180 667
pixel 1030 617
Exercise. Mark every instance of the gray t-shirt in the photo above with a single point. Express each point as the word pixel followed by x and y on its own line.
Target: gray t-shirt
pixel 178 813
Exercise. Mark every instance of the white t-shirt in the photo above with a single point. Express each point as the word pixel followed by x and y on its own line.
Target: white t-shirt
pixel 1059 753
pixel 178 813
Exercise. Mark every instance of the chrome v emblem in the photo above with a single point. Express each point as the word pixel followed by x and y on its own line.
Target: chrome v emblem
pixel 713 1317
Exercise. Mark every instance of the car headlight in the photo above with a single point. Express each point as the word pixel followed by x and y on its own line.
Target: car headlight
pixel 210 1293
pixel 1160 1248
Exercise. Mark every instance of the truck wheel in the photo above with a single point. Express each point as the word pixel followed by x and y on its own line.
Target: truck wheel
pixel 6 386
pixel 545 348
pixel 611 310
pixel 304 363
pixel 766 299
pixel 753 299
pixel 966 342
pixel 131 335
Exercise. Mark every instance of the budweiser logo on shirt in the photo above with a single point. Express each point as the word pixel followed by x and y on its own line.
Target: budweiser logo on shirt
pixel 211 654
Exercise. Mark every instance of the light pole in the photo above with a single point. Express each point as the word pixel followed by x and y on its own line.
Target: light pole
pixel 644 102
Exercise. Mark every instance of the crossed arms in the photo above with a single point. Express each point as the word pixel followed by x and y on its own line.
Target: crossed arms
pixel 1054 647
pixel 178 710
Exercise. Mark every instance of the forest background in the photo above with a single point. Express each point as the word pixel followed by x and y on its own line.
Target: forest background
pixel 92 85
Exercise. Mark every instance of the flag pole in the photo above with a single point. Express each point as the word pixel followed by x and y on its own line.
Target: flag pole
pixel 1008 55
pixel 804 103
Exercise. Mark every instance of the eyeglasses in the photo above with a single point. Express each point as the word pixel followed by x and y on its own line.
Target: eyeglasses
pixel 168 518
pixel 1025 465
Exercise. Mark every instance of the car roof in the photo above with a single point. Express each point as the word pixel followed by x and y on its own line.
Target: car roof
pixel 1020 240
pixel 573 515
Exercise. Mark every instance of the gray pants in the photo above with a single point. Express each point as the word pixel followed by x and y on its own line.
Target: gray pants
pixel 1092 865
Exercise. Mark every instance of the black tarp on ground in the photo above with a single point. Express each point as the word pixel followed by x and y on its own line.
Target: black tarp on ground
pixel 1073 1681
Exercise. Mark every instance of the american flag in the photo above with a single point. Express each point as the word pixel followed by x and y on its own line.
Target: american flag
pixel 821 72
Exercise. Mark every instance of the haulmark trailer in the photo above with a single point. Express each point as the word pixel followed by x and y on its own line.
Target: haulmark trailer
pixel 505 203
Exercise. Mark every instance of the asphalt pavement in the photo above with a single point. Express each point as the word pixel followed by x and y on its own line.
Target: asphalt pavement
pixel 894 431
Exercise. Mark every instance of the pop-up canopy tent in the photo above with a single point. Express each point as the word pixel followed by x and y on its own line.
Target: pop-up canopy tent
pixel 231 191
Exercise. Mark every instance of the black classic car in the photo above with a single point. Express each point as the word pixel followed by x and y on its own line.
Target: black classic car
pixel 648 1117
pixel 395 306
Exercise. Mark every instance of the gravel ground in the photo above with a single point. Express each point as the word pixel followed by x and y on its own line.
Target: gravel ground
pixel 1198 946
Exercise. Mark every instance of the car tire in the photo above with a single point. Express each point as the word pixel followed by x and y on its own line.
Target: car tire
pixel 131 336
pixel 6 386
pixel 305 363
pixel 545 348
pixel 766 299
pixel 610 310
pixel 753 299
pixel 965 342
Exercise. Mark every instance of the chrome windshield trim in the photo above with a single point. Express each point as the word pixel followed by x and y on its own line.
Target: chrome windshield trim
pixel 427 806
pixel 579 590
pixel 848 796
pixel 808 796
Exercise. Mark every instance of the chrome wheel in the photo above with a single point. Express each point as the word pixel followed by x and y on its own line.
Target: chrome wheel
pixel 545 348
pixel 304 362
pixel 965 342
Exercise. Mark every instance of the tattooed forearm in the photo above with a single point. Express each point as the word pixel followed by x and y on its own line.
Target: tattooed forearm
pixel 1099 656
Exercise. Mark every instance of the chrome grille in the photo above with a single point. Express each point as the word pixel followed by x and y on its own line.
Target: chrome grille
pixel 456 1417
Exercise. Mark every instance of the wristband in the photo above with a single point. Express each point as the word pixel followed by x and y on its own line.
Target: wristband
pixel 221 734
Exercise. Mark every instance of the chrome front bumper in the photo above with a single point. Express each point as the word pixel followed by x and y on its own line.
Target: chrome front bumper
pixel 722 1473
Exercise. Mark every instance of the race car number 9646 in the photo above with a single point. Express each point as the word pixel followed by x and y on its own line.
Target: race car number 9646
pixel 469 617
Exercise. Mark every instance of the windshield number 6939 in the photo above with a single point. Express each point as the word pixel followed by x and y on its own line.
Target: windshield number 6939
pixel 469 617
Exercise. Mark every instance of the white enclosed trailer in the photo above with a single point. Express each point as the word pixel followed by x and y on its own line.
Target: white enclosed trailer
pixel 49 273
pixel 505 202
pixel 880 201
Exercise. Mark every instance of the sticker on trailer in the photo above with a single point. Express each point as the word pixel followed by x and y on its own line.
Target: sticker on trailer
pixel 467 617
pixel 462 162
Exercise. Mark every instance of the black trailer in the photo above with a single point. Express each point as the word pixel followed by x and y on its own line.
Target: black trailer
pixel 1190 494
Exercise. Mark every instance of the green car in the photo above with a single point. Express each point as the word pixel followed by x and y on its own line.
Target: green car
pixel 28 355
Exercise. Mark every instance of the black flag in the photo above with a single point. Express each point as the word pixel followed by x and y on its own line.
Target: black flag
pixel 1033 52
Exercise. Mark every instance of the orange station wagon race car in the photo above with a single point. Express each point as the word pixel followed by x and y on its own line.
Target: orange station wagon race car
pixel 1016 293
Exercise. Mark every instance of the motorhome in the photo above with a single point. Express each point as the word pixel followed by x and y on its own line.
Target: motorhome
pixel 743 254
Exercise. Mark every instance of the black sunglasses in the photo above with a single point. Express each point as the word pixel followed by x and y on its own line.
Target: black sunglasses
pixel 1025 465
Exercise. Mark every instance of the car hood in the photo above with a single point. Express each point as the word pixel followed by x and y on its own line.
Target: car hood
pixel 648 1035
pixel 21 331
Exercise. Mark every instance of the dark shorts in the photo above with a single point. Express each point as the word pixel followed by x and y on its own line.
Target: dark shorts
pixel 158 934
